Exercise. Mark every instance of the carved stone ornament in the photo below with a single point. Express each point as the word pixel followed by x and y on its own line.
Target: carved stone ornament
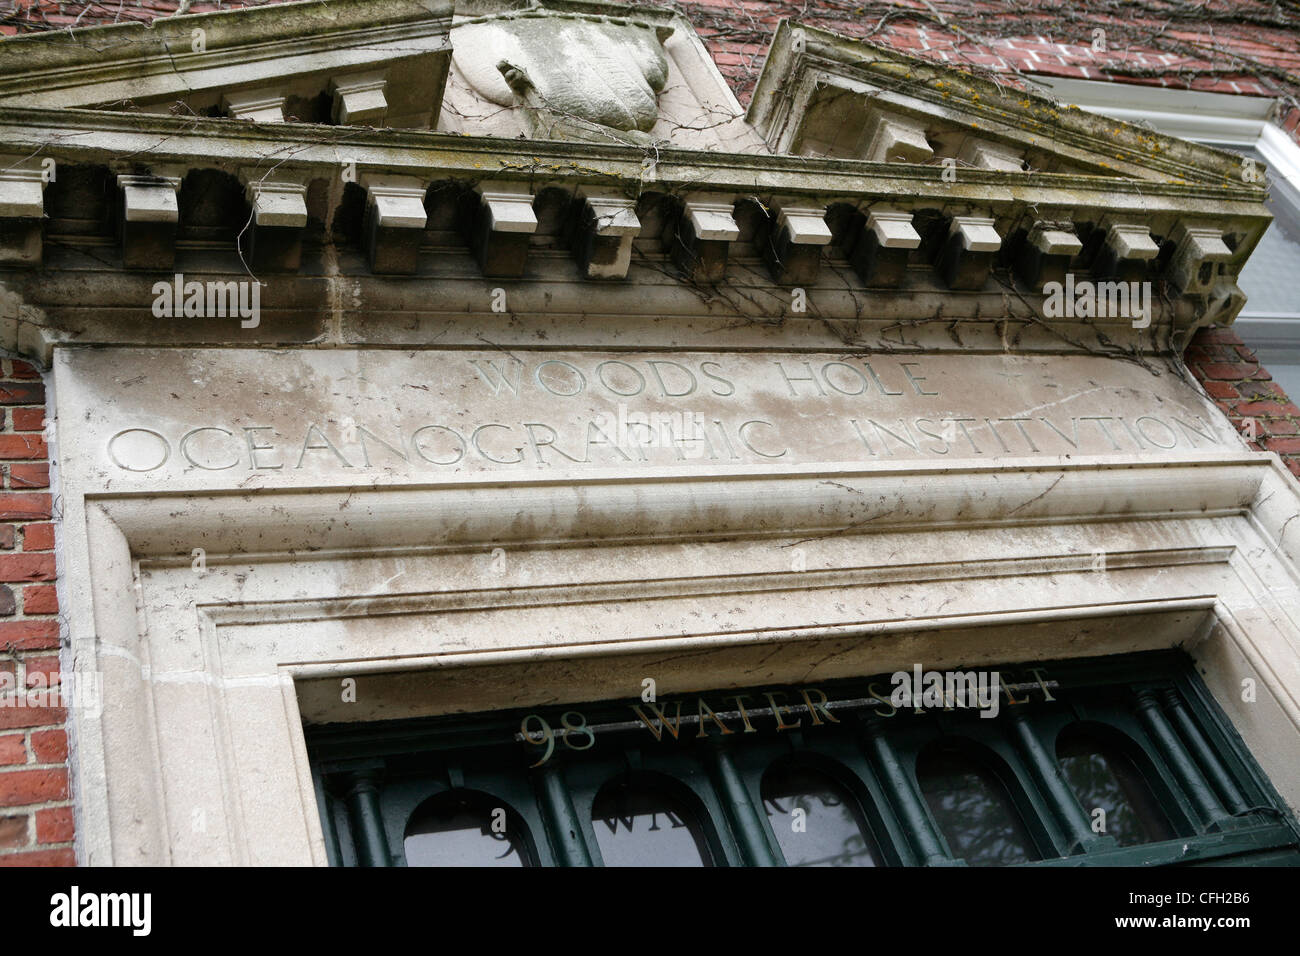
pixel 578 76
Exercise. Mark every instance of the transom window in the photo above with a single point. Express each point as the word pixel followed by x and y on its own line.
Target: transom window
pixel 1118 761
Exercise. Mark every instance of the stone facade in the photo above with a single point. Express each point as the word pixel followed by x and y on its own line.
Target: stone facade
pixel 384 276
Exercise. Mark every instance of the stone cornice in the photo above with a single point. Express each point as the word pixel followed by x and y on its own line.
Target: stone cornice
pixel 802 54
pixel 76 69
pixel 96 136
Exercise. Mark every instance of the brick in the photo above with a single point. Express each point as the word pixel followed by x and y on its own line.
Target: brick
pixel 37 537
pixel 6 537
pixel 12 717
pixel 63 857
pixel 23 369
pixel 26 567
pixel 1074 71
pixel 29 635
pixel 24 507
pixel 1283 446
pixel 1217 337
pixel 46 666
pixel 22 446
pixel 29 476
pixel 1282 426
pixel 39 599
pixel 1262 390
pixel 1210 353
pixel 13 833
pixel 12 749
pixel 54 825
pixel 28 419
pixel 49 746
pixel 22 393
pixel 1220 390
pixel 1262 409
pixel 1228 371
pixel 20 787
pixel 8 606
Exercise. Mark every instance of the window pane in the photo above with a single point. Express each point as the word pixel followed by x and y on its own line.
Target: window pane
pixel 640 825
pixel 973 810
pixel 1101 776
pixel 830 831
pixel 460 829
pixel 1270 322
pixel 1267 276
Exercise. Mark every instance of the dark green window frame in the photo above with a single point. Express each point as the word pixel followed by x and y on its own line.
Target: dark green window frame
pixel 371 778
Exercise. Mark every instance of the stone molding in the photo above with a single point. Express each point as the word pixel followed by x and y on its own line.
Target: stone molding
pixel 241 666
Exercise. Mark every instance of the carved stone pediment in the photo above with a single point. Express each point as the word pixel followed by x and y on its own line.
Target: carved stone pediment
pixel 588 72
pixel 831 96
pixel 577 76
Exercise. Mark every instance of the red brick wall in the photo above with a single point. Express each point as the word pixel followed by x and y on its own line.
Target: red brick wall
pixel 1239 385
pixel 36 823
pixel 1229 46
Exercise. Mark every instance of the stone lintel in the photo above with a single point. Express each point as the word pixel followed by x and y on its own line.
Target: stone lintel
pixel 259 106
pixel 608 225
pixel 967 255
pixel 794 244
pixel 149 216
pixel 500 226
pixel 1047 252
pixel 1198 247
pixel 279 215
pixel 394 222
pixel 705 232
pixel 983 154
pixel 22 211
pixel 359 99
pixel 881 252
pixel 897 139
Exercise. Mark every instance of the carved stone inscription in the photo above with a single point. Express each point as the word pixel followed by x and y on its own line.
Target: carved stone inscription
pixel 226 415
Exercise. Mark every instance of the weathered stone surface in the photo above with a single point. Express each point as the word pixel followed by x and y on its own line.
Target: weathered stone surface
pixel 743 490
pixel 603 71
pixel 219 418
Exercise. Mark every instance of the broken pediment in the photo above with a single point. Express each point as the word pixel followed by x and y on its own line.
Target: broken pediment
pixel 825 95
pixel 382 63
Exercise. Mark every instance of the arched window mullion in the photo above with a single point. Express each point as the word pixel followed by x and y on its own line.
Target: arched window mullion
pixel 805 839
pixel 463 827
pixel 971 803
pixel 1097 763
pixel 632 805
